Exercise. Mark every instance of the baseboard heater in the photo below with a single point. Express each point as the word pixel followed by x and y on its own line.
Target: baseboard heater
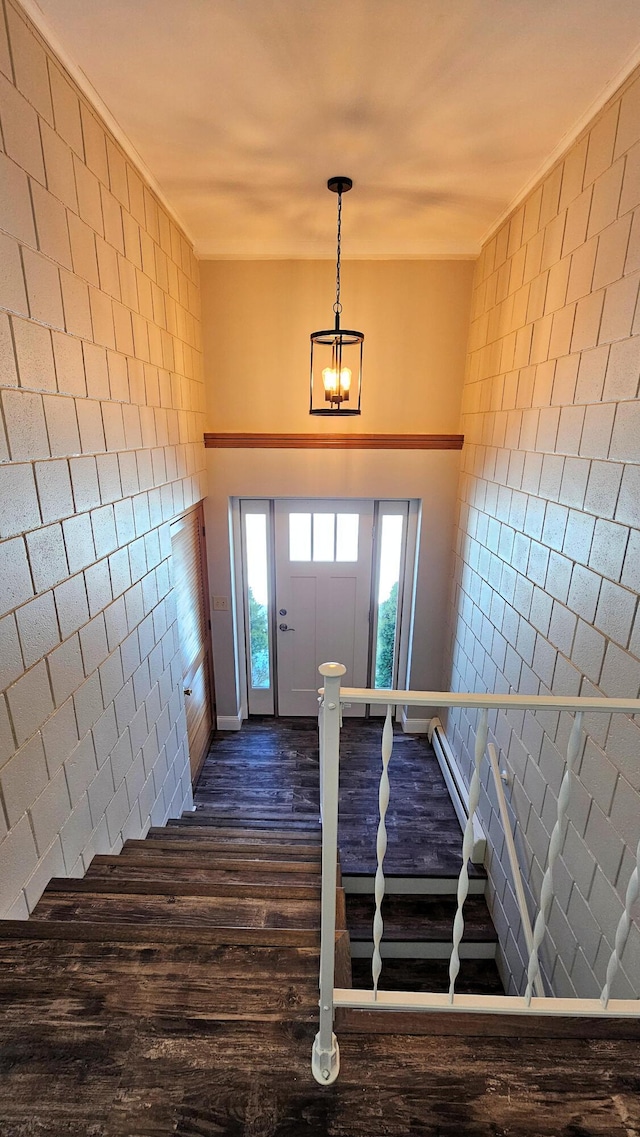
pixel 458 792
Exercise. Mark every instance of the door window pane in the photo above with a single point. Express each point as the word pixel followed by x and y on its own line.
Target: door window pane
pixel 347 537
pixel 299 536
pixel 324 536
pixel 389 583
pixel 258 589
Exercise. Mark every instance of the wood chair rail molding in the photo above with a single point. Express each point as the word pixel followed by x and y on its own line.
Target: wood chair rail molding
pixel 241 441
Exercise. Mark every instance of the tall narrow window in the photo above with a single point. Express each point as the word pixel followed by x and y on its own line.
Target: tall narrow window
pixel 388 589
pixel 258 597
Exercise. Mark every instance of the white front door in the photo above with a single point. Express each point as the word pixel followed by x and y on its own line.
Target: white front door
pixel 323 597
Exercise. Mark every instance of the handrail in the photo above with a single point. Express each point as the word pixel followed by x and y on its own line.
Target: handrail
pixel 514 863
pixel 478 701
pixel 326 1055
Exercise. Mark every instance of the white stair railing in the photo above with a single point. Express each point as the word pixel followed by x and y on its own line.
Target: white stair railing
pixel 555 844
pixel 381 845
pixel 467 848
pixel 514 863
pixel 326 1055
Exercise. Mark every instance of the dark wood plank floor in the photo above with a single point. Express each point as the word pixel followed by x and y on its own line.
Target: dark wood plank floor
pixel 130 1040
pixel 274 763
pixel 170 1025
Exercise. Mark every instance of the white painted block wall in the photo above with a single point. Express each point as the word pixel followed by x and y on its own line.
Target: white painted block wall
pixel 100 447
pixel 547 562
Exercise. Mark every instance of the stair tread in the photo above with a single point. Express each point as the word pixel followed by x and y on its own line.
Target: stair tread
pixel 235 844
pixel 429 870
pixel 259 817
pixel 223 912
pixel 476 976
pixel 216 981
pixel 419 918
pixel 81 927
pixel 144 886
pixel 304 836
pixel 189 869
pixel 215 859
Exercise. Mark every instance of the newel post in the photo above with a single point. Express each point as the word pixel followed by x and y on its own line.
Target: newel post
pixel 325 1062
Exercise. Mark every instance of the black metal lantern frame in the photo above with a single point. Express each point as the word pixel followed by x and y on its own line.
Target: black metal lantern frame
pixel 336 353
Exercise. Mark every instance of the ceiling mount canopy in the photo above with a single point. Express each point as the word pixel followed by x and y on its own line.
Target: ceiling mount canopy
pixel 336 353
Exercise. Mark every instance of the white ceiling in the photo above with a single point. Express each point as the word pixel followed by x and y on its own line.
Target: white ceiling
pixel 440 110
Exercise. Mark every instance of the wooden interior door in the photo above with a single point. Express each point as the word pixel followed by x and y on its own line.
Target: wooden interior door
pixel 189 579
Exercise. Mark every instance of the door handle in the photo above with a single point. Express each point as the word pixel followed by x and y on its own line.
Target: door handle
pixel 285 628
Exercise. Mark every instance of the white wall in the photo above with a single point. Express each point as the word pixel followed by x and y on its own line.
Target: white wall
pixel 100 447
pixel 427 475
pixel 548 543
pixel 258 315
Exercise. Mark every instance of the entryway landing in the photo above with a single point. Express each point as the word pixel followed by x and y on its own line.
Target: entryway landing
pixel 270 770
pixel 274 762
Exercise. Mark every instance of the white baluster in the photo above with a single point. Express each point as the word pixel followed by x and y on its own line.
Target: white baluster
pixel 555 844
pixel 321 751
pixel 325 1062
pixel 623 929
pixel 381 845
pixel 467 849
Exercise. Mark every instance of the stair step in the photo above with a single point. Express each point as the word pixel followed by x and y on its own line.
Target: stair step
pixel 363 863
pixel 229 913
pixel 396 884
pixel 420 919
pixel 476 977
pixel 290 836
pixel 153 937
pixel 170 868
pixel 236 845
pixel 119 930
pixel 197 852
pixel 260 819
pixel 215 982
pixel 128 885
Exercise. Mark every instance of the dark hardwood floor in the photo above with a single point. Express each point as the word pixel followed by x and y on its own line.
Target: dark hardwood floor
pixel 273 764
pixel 141 1002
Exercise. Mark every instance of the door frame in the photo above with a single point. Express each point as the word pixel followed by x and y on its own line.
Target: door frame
pixel 406 607
pixel 202 544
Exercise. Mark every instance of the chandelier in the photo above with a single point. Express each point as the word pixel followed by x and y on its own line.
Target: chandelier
pixel 336 353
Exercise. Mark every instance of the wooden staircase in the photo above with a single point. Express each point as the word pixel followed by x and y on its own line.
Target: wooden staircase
pixel 417 944
pixel 236 884
pixel 174 990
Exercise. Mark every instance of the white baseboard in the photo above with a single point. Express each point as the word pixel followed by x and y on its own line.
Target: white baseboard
pixel 229 722
pixel 414 726
pixel 187 804
pixel 458 791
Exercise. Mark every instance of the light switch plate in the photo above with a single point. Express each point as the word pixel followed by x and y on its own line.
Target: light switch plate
pixel 221 603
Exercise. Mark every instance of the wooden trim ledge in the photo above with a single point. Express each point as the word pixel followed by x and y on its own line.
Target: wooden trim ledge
pixel 229 441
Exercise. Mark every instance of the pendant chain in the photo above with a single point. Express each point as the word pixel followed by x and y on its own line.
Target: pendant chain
pixel 337 307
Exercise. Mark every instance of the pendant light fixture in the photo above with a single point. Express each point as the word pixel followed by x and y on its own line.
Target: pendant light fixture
pixel 336 353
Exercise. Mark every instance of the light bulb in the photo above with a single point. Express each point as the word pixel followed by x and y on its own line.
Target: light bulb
pixel 330 379
pixel 336 384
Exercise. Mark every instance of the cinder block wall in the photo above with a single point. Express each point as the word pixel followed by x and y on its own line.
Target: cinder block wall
pixel 547 565
pixel 101 446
